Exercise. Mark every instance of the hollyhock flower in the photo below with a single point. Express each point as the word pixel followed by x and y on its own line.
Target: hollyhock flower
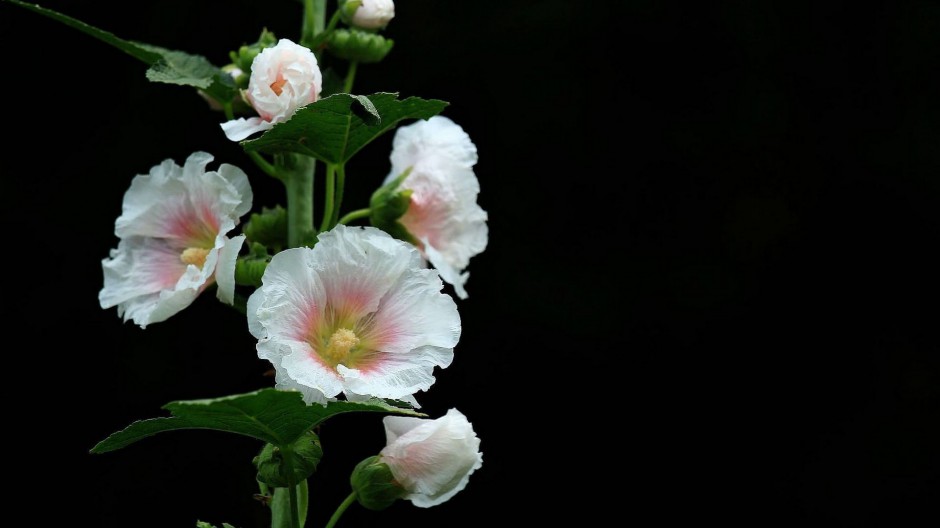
pixel 374 14
pixel 357 314
pixel 283 78
pixel 173 244
pixel 443 215
pixel 431 459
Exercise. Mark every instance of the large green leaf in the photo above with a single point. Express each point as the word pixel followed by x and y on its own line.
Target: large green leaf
pixel 335 128
pixel 166 66
pixel 273 416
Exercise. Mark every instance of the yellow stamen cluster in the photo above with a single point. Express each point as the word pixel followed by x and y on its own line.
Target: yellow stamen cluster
pixel 194 255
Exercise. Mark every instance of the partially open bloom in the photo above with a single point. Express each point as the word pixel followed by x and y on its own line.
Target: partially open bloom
pixel 431 459
pixel 173 244
pixel 374 14
pixel 356 314
pixel 443 216
pixel 284 78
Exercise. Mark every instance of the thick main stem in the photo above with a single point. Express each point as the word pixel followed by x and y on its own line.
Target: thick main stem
pixel 294 506
pixel 297 171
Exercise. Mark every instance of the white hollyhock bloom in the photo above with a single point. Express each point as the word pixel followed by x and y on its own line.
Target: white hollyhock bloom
pixel 431 459
pixel 283 78
pixel 357 314
pixel 374 14
pixel 443 215
pixel 173 244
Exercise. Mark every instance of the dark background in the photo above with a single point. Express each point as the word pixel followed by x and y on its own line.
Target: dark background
pixel 710 292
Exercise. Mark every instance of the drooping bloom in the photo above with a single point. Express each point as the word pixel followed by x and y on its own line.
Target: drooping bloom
pixel 431 459
pixel 357 314
pixel 173 230
pixel 443 215
pixel 374 14
pixel 283 78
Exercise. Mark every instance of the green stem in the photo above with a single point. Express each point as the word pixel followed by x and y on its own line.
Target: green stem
pixel 298 173
pixel 355 215
pixel 342 508
pixel 328 199
pixel 294 503
pixel 255 157
pixel 350 77
pixel 314 19
pixel 340 184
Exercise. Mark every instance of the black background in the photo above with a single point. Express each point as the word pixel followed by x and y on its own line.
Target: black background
pixel 710 292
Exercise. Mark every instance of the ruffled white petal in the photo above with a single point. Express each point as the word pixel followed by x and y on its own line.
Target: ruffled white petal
pixel 443 214
pixel 240 128
pixel 166 213
pixel 431 459
pixel 225 270
pixel 436 138
pixel 360 280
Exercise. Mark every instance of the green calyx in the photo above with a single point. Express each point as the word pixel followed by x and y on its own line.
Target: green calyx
pixel 374 484
pixel 269 227
pixel 281 468
pixel 388 205
pixel 357 45
pixel 250 268
pixel 246 54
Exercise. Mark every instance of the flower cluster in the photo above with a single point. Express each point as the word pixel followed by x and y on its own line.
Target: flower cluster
pixel 350 316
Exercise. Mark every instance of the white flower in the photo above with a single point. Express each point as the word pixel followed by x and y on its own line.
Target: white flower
pixel 173 239
pixel 284 78
pixel 374 14
pixel 431 459
pixel 443 215
pixel 356 314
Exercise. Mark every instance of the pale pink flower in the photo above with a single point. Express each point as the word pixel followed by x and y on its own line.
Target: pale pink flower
pixel 431 459
pixel 173 243
pixel 284 78
pixel 357 314
pixel 443 215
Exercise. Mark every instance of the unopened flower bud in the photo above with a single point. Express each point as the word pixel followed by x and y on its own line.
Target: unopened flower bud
pixel 374 484
pixel 279 469
pixel 368 14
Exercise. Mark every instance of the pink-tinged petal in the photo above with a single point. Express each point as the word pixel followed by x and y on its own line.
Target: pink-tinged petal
pixel 356 314
pixel 443 214
pixel 139 267
pixel 357 269
pixel 241 128
pixel 225 270
pixel 431 459
pixel 172 230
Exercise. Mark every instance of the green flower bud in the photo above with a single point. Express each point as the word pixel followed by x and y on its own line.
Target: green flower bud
pixel 269 227
pixel 388 204
pixel 275 467
pixel 246 53
pixel 250 268
pixel 358 45
pixel 375 487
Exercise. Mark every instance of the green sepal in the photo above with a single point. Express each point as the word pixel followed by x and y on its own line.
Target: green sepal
pixel 354 44
pixel 280 467
pixel 388 205
pixel 374 484
pixel 269 227
pixel 249 269
pixel 247 52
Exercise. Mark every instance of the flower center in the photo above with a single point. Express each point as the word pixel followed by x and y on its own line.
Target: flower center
pixel 195 256
pixel 339 346
pixel 278 85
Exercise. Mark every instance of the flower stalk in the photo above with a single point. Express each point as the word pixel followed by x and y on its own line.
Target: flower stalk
pixel 297 171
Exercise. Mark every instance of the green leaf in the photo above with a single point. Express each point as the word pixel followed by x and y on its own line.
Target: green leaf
pixel 166 66
pixel 335 128
pixel 273 416
pixel 204 524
